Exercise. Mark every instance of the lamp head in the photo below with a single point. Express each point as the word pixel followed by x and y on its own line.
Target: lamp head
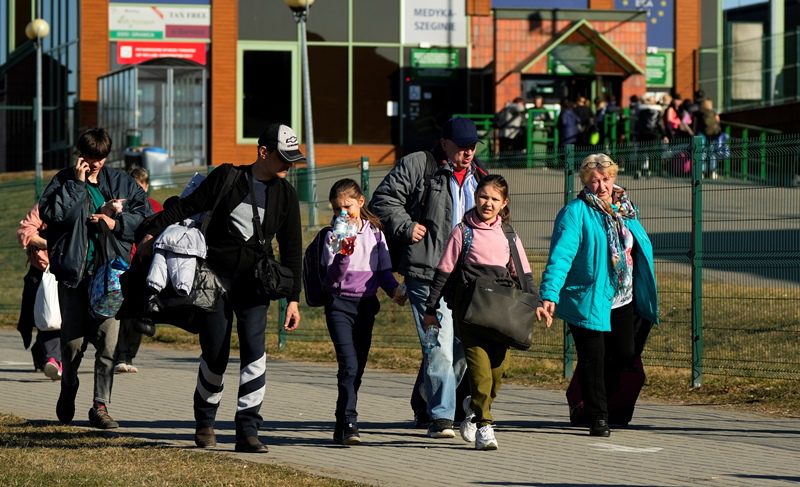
pixel 37 29
pixel 299 4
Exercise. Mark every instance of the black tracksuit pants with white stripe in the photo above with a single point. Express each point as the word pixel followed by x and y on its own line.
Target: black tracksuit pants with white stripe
pixel 215 341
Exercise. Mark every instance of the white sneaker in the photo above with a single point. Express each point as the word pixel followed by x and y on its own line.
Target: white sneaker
pixel 121 368
pixel 468 428
pixel 484 439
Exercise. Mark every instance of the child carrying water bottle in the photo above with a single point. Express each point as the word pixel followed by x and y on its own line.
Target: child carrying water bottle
pixel 357 264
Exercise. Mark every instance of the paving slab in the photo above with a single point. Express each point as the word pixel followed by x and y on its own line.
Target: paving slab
pixel 666 445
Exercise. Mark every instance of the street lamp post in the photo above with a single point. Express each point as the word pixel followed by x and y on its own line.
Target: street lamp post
pixel 37 30
pixel 300 10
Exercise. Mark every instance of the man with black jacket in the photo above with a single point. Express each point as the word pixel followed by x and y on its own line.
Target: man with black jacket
pixel 419 211
pixel 75 203
pixel 233 251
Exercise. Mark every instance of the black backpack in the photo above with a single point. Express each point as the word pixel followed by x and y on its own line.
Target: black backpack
pixel 647 122
pixel 314 272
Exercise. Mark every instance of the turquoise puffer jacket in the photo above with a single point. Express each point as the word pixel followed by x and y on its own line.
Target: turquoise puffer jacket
pixel 578 273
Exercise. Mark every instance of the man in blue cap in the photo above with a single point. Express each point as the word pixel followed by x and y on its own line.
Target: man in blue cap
pixel 419 203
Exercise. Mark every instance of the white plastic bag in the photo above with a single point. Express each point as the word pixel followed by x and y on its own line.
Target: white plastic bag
pixel 46 310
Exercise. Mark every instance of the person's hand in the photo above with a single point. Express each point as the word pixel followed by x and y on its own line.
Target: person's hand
pixel 429 321
pixel 145 247
pixel 292 317
pixel 542 313
pixel 418 233
pixel 399 296
pixel 549 307
pixel 348 246
pixel 97 217
pixel 81 169
pixel 37 242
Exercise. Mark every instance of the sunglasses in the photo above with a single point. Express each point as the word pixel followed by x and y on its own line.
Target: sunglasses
pixel 593 164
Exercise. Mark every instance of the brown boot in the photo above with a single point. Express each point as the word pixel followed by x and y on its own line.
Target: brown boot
pixel 250 444
pixel 204 437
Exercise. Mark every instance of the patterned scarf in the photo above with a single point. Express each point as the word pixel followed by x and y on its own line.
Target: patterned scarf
pixel 613 217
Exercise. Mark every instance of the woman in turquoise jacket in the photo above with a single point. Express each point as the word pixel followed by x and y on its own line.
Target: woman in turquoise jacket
pixel 600 278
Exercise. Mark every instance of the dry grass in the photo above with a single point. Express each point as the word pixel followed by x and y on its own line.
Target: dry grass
pixel 36 454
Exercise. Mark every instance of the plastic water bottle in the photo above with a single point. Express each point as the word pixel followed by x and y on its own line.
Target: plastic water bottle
pixel 342 229
pixel 431 339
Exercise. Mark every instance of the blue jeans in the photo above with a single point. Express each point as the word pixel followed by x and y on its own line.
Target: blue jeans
pixel 445 364
pixel 350 322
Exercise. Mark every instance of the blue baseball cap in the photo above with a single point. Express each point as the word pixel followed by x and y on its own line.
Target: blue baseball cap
pixel 461 131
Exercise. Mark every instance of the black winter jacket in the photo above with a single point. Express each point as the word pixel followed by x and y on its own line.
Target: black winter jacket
pixel 65 207
pixel 227 255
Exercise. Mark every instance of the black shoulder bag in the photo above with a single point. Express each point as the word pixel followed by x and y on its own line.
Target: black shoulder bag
pixel 274 280
pixel 494 307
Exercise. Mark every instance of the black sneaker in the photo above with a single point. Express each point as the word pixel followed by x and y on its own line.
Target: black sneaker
pixel 421 420
pixel 65 407
pixel 350 435
pixel 441 428
pixel 99 418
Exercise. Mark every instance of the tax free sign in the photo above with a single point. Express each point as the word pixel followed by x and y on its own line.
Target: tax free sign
pixel 435 22
pixel 158 22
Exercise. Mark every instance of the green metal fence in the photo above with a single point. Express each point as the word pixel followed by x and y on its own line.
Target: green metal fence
pixel 724 220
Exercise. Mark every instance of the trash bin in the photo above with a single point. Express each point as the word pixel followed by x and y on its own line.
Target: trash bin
pixel 133 138
pixel 159 165
pixel 302 184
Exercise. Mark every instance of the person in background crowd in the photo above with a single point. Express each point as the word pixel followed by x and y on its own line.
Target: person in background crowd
pixel 511 125
pixel 129 337
pixel 585 121
pixel 73 206
pixel 599 278
pixel 706 123
pixel 46 349
pixel 649 136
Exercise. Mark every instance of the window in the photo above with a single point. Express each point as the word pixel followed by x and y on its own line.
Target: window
pixel 328 69
pixel 375 73
pixel 266 19
pixel 327 21
pixel 376 21
pixel 266 90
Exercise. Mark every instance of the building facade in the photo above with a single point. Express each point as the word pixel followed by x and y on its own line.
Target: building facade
pixel 384 75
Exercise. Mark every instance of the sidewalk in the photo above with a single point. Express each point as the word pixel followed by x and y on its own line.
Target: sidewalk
pixel 665 446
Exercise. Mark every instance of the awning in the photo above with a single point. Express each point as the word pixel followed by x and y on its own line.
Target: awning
pixel 571 44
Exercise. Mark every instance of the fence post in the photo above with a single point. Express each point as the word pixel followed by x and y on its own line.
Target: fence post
pixel 529 133
pixel 745 143
pixel 365 176
pixel 763 156
pixel 569 191
pixel 727 163
pixel 696 255
pixel 282 306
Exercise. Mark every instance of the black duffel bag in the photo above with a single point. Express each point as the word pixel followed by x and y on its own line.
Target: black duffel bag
pixel 496 309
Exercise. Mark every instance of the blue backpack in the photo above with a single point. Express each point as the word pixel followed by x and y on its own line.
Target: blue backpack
pixel 314 271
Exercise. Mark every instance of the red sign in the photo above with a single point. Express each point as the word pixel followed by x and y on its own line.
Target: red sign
pixel 136 52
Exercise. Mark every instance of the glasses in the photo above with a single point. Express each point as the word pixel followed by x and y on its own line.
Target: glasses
pixel 601 163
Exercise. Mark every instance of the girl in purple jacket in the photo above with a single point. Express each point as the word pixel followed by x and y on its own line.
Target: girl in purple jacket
pixel 353 276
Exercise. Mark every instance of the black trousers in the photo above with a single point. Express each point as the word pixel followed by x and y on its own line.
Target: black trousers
pixel 602 356
pixel 47 343
pixel 128 342
pixel 250 310
pixel 350 322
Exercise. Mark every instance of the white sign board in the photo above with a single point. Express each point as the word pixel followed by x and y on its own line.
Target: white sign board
pixel 435 22
pixel 158 22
